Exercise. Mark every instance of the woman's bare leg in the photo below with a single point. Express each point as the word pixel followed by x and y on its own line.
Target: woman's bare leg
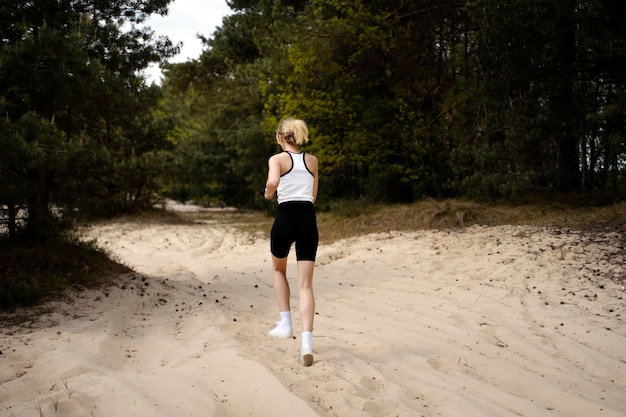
pixel 307 309
pixel 281 285
pixel 284 327
pixel 305 294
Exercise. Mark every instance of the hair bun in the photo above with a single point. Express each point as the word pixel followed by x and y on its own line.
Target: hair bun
pixel 293 130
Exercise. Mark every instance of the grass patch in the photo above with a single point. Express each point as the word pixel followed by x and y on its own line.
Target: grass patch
pixel 349 219
pixel 30 273
pixel 452 214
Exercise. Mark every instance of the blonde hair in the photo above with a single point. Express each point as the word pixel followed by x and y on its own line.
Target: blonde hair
pixel 293 130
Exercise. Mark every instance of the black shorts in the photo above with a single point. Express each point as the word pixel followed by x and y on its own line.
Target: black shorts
pixel 295 221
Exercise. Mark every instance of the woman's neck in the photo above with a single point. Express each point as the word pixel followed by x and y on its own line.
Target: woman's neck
pixel 291 148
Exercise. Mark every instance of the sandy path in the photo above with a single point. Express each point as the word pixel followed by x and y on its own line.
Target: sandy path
pixel 504 321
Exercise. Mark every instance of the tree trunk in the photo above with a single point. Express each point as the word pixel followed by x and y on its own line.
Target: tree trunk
pixel 40 224
pixel 11 222
pixel 562 105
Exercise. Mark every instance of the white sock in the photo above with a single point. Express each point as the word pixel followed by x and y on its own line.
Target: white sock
pixel 285 319
pixel 307 341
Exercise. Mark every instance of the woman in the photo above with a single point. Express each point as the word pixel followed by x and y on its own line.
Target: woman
pixel 293 176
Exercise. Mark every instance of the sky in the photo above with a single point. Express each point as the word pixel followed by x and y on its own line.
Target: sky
pixel 184 21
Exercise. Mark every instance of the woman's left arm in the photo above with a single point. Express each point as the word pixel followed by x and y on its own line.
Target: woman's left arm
pixel 273 177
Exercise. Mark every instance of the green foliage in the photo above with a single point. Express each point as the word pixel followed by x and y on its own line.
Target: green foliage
pixel 119 169
pixel 405 100
pixel 32 164
pixel 220 154
pixel 81 127
pixel 539 89
pixel 375 114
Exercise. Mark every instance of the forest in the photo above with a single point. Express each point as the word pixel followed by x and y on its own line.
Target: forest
pixel 405 99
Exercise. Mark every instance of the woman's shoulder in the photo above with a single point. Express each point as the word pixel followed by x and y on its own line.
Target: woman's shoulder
pixel 311 161
pixel 280 156
pixel 282 160
pixel 310 157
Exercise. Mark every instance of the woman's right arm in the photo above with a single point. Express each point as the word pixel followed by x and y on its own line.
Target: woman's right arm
pixel 312 164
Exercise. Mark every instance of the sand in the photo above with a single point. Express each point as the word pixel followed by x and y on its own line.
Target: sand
pixel 481 321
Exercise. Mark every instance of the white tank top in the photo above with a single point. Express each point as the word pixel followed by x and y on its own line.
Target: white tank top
pixel 297 183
